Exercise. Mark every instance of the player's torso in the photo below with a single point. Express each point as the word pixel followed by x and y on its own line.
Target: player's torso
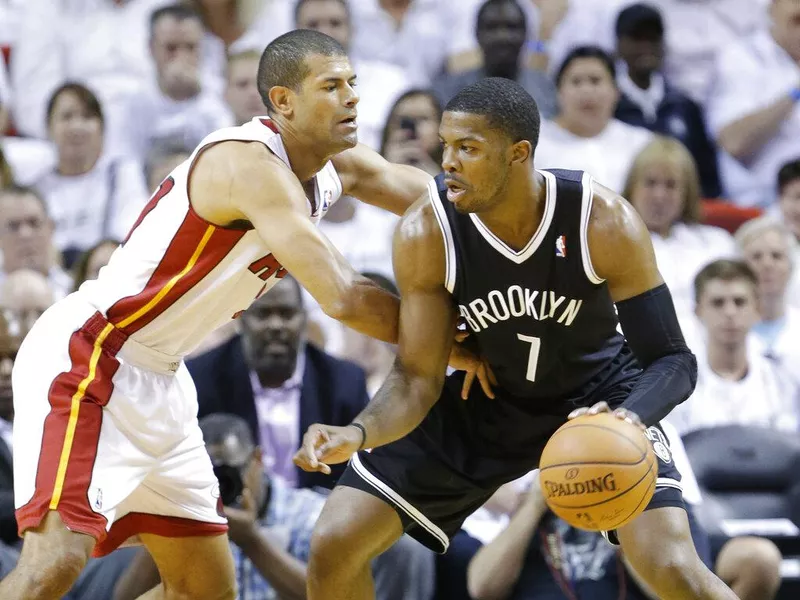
pixel 177 277
pixel 541 316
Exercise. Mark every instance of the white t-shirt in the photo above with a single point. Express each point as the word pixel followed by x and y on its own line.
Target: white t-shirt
pixel 765 397
pixel 607 156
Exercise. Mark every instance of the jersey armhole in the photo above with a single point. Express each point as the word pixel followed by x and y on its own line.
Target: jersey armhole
pixel 447 236
pixel 586 211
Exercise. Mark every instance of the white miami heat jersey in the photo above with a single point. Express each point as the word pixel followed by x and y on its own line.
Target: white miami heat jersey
pixel 178 277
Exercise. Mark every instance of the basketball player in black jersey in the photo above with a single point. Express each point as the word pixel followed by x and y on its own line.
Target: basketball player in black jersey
pixel 533 262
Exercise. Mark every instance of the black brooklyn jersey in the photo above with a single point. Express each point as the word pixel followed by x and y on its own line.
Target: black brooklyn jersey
pixel 541 316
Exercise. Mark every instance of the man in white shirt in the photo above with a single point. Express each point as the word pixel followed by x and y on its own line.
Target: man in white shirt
pixel 175 105
pixel 26 238
pixel 734 386
pixel 241 91
pixel 789 212
pixel 754 107
pixel 380 83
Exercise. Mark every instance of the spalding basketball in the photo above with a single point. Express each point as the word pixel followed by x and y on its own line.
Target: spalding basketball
pixel 598 472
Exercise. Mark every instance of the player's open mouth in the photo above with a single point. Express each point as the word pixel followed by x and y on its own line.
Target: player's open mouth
pixel 349 123
pixel 454 190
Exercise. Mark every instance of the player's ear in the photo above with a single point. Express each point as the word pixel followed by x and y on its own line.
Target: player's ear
pixel 281 99
pixel 521 151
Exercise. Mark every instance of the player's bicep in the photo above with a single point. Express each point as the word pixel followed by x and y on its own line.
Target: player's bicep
pixel 620 246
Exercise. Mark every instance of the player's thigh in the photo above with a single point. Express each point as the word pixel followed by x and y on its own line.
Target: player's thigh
pixel 358 521
pixel 196 567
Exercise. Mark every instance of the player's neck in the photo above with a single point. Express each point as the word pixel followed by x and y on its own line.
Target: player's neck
pixel 771 308
pixel 505 70
pixel 728 361
pixel 304 157
pixel 516 217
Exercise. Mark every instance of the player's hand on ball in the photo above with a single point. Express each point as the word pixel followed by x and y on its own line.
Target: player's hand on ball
pixel 325 445
pixel 600 407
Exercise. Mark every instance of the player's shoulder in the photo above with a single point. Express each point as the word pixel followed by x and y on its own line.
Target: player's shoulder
pixel 237 164
pixel 614 229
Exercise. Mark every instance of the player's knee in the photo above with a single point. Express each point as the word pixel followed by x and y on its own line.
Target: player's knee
pixel 326 556
pixel 53 568
pixel 669 567
pixel 750 563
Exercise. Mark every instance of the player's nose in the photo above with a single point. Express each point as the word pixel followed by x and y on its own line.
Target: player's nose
pixel 449 162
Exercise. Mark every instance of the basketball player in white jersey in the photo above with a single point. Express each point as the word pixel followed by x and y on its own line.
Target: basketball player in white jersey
pixel 106 442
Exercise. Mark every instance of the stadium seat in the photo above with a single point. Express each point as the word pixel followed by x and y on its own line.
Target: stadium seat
pixel 726 214
pixel 750 481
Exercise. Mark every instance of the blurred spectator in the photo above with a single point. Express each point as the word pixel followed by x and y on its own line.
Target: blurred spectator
pixel 162 157
pixel 501 32
pixel 6 174
pixel 9 21
pixel 271 526
pixel 769 249
pixel 5 97
pixel 415 35
pixel 584 135
pixel 411 134
pixel 25 295
pixel 99 43
pixel 175 105
pixel 789 212
pixel 648 101
pixel 241 92
pixel 10 340
pixel 90 195
pixel 734 386
pixel 374 356
pixel 753 107
pixel 379 84
pixel 663 187
pixel 88 265
pixel 26 238
pixel 279 384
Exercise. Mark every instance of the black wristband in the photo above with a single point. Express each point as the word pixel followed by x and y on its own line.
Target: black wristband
pixel 363 431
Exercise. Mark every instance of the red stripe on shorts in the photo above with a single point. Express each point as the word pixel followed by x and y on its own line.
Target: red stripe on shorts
pixel 71 496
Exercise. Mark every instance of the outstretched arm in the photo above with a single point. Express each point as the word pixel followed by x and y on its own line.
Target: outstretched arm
pixel 622 254
pixel 368 176
pixel 426 330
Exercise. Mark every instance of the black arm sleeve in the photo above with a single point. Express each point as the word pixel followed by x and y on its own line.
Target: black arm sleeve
pixel 651 327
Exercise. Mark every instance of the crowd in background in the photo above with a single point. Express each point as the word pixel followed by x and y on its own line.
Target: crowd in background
pixel 688 108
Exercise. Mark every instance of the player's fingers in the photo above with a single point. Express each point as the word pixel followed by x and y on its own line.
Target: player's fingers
pixel 461 335
pixel 468 379
pixel 578 412
pixel 598 408
pixel 486 385
pixel 311 441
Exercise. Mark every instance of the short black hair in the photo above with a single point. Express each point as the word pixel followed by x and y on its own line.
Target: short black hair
pixel 283 62
pixel 301 3
pixel 587 52
pixel 640 21
pixel 180 12
pixel 491 4
pixel 505 104
pixel 788 173
pixel 219 427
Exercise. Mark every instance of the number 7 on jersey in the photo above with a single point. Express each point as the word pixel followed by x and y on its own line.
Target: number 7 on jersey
pixel 533 355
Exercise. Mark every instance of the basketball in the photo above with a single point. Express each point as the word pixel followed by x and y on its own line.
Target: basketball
pixel 598 472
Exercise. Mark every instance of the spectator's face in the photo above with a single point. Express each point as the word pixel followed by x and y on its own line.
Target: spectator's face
pixel 175 46
pixel 77 133
pixel 476 161
pixel 658 196
pixel 790 206
pixel 9 344
pixel 98 260
pixel 26 233
pixel 501 33
pixel 643 54
pixel 768 255
pixel 420 111
pixel 26 295
pixel 326 16
pixel 587 94
pixel 271 333
pixel 241 92
pixel 325 105
pixel 728 310
pixel 161 171
pixel 786 19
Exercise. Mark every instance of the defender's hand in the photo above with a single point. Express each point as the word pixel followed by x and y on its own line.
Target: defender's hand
pixel 620 413
pixel 325 445
pixel 462 359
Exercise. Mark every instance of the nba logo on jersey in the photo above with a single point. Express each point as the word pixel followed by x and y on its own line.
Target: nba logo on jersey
pixel 326 200
pixel 561 246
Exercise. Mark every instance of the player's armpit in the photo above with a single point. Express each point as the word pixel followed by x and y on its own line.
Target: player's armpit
pixel 620 248
pixel 426 331
pixel 368 176
pixel 268 195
